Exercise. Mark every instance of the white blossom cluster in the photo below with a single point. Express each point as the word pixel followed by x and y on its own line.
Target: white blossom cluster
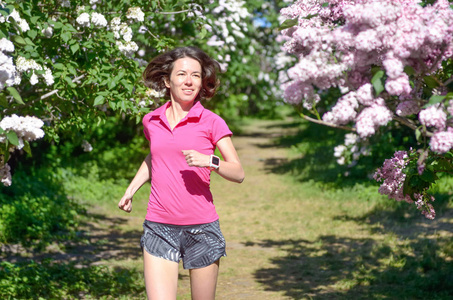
pixel 27 129
pixel 5 174
pixel 8 72
pixel 16 17
pixel 350 152
pixel 122 30
pixel 135 13
pixel 97 19
pixel 86 146
pixel 25 65
pixel 65 3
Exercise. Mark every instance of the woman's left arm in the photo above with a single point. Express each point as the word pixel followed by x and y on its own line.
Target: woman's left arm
pixel 230 168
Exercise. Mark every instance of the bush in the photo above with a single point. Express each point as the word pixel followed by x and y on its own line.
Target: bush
pixel 35 210
pixel 50 280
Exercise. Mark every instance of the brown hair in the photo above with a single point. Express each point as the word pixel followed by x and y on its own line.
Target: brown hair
pixel 161 67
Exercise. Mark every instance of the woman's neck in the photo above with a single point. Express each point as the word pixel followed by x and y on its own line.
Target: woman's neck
pixel 177 111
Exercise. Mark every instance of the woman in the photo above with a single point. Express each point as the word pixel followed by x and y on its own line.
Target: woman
pixel 181 221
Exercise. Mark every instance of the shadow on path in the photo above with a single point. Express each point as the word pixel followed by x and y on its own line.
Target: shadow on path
pixel 363 268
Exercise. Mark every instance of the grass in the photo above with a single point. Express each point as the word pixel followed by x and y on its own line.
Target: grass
pixel 292 230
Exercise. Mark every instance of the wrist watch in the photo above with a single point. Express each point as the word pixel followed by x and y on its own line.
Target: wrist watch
pixel 214 162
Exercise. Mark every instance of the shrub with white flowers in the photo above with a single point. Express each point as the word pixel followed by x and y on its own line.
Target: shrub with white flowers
pixel 72 62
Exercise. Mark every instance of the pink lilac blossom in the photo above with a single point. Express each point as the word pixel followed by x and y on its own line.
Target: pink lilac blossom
pixel 341 41
pixel 365 94
pixel 398 86
pixel 298 92
pixel 430 213
pixel 392 177
pixel 344 111
pixel 371 118
pixel 433 116
pixel 442 141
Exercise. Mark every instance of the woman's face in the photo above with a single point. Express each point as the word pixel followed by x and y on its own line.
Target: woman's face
pixel 185 80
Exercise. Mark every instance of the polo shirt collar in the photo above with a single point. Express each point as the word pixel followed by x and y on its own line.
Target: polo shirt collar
pixel 194 112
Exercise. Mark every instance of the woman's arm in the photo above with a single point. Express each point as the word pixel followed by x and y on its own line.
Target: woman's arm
pixel 230 168
pixel 143 175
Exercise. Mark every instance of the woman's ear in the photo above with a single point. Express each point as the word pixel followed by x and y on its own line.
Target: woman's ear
pixel 167 82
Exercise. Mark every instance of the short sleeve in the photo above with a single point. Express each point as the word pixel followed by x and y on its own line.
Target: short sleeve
pixel 219 129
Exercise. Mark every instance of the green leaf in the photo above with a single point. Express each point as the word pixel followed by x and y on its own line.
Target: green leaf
pixel 34 19
pixel 59 66
pixel 288 23
pixel 418 134
pixel 449 95
pixel 99 100
pixel 13 92
pixel 203 33
pixel 56 25
pixel 409 70
pixel 66 36
pixel 19 40
pixel 29 42
pixel 4 11
pixel 429 176
pixel 325 4
pixel 69 81
pixel 27 147
pixel 32 33
pixel 310 17
pixel 111 84
pixel 12 138
pixel 430 81
pixel 2 131
pixel 3 101
pixel 376 81
pixel 74 48
pixel 435 99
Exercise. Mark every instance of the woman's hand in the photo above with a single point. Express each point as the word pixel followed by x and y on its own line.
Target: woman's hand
pixel 126 202
pixel 196 159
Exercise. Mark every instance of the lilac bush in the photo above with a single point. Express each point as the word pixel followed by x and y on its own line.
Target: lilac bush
pixel 391 61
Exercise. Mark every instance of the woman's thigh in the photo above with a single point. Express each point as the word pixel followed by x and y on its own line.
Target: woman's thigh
pixel 203 282
pixel 161 277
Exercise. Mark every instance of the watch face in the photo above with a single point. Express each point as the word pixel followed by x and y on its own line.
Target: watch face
pixel 215 161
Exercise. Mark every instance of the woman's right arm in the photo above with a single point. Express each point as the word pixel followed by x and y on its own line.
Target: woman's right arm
pixel 143 175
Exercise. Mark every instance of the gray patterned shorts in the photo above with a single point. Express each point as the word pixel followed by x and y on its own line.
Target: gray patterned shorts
pixel 197 245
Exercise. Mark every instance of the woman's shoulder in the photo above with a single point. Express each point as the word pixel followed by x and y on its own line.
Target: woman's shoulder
pixel 208 114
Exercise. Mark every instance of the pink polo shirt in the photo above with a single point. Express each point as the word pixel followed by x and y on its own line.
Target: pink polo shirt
pixel 180 194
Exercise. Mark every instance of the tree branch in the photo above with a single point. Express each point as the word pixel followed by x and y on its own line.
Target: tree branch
pixel 173 12
pixel 47 95
pixel 411 125
pixel 321 122
pixel 450 80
